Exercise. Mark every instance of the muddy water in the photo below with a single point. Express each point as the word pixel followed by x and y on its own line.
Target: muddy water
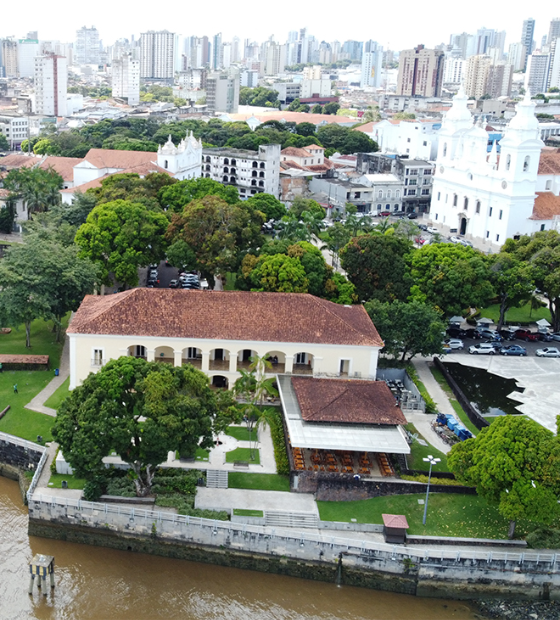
pixel 102 584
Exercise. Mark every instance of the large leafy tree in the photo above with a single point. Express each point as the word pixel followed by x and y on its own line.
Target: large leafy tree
pixel 280 274
pixel 121 236
pixel 272 208
pixel 178 196
pixel 407 329
pixel 217 232
pixel 450 277
pixel 512 280
pixel 513 463
pixel 541 251
pixel 39 189
pixel 142 410
pixel 130 186
pixel 376 265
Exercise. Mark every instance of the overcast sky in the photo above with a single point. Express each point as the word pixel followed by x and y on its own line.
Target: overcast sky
pixel 397 25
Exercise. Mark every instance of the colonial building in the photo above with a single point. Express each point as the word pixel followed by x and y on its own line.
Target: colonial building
pixel 489 197
pixel 183 161
pixel 218 332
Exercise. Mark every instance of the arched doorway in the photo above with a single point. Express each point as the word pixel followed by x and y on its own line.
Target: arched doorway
pixel 219 381
pixel 463 226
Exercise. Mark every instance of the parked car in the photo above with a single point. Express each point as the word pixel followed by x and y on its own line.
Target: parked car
pixel 545 337
pixel 454 239
pixel 484 348
pixel 152 282
pixel 513 349
pixel 484 332
pixel 432 229
pixel 498 346
pixel 548 352
pixel 173 283
pixel 556 336
pixel 385 213
pixel 506 334
pixel 423 227
pixel 525 334
pixel 466 242
pixel 412 216
pixel 454 343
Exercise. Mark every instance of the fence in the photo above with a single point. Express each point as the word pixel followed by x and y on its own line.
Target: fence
pixel 267 540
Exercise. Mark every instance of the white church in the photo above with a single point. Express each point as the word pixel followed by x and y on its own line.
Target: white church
pixel 490 197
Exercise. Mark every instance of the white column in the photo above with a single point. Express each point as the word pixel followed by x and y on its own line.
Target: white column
pixel 205 361
pixel 232 362
pixel 289 367
pixel 150 355
pixel 177 358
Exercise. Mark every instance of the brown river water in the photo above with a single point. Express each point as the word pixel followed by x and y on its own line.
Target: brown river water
pixel 102 584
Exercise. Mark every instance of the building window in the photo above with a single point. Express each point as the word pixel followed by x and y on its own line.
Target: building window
pixel 490 212
pixel 165 164
pixel 543 226
pixel 548 185
pixel 497 237
pixel 487 234
pixel 439 196
pixel 455 198
pixel 501 213
pixel 508 162
pixel 388 193
pixel 412 182
pixel 408 139
pixel 379 207
pixel 445 149
pixel 97 359
pixel 477 208
pixel 425 192
pixel 424 143
pixel 398 193
pixel 465 204
pixel 412 192
pixel 395 208
pixel 436 216
pixel 380 194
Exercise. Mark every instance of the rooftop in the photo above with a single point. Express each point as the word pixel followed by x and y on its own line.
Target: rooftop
pixel 546 206
pixel 549 162
pixel 225 315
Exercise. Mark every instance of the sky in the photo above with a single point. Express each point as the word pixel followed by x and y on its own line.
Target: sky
pixel 395 25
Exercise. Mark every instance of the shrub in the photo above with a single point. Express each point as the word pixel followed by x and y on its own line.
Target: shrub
pixel 93 489
pixel 185 506
pixel 442 481
pixel 430 405
pixel 544 538
pixel 279 442
pixel 123 487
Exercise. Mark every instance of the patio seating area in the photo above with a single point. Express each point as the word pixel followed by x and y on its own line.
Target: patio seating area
pixel 342 462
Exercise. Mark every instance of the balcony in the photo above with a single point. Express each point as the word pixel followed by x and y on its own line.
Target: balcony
pixel 222 365
pixel 302 369
pixel 98 362
pixel 196 362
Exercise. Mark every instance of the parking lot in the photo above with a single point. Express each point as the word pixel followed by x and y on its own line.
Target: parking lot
pixel 531 347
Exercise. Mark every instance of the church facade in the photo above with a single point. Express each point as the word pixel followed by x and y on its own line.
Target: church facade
pixel 488 197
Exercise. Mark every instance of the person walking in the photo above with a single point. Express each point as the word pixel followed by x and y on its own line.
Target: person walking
pixel 15 389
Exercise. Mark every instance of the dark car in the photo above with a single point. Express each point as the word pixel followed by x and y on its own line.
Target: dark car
pixel 495 343
pixel 525 334
pixel 152 282
pixel 513 349
pixel 412 216
pixel 545 337
pixel 506 334
pixel 423 227
pixel 488 333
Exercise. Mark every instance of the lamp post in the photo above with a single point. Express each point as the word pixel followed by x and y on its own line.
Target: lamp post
pixel 432 461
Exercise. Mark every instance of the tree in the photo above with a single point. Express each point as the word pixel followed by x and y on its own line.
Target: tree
pixel 177 196
pixel 317 109
pixel 541 251
pixel 272 208
pixel 514 464
pixel 512 281
pixel 7 216
pixel 293 107
pixel 405 116
pixel 345 140
pixel 142 410
pixel 280 274
pixel 306 129
pixel 217 232
pixel 371 114
pixel 331 108
pixel 46 147
pixel 299 205
pixel 39 189
pixel 4 144
pixel 407 329
pixel 76 214
pixel 129 186
pixel 450 277
pixel 258 96
pixel 121 236
pixel 376 265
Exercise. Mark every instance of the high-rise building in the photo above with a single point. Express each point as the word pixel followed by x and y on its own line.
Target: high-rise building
pixel 500 76
pixel 27 49
pixel 517 56
pixel 372 62
pixel 454 70
pixel 554 73
pixel 10 57
pixel 274 58
pixel 538 67
pixel 527 34
pixel 222 92
pixel 420 72
pixel 157 55
pixel 352 50
pixel 476 76
pixel 217 60
pixel 465 42
pixel 51 80
pixel 87 51
pixel 126 79
pixel 235 49
pixel 554 30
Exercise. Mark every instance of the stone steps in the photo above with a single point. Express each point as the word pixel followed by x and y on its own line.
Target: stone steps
pixel 216 479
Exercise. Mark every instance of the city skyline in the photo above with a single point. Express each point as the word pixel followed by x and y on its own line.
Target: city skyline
pixel 114 22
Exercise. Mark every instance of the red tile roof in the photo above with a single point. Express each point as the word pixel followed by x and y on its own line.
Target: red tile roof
pixel 62 165
pixel 225 315
pixel 85 186
pixel 346 401
pixel 290 163
pixel 397 521
pixel 546 206
pixel 16 160
pixel 549 162
pixel 107 158
pixel 295 152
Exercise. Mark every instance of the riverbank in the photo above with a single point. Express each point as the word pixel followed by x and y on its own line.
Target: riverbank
pixel 517 610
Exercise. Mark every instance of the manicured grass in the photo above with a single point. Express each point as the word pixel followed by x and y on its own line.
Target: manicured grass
pixel 60 394
pixel 259 482
pixel 43 341
pixel 516 315
pixel 240 512
pixel 418 452
pixel 241 433
pixel 463 417
pixel 73 483
pixel 20 421
pixel 243 454
pixel 448 514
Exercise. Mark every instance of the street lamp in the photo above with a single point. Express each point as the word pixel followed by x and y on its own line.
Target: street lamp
pixel 432 461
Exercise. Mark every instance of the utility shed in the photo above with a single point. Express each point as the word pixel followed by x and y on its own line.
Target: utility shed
pixel 394 528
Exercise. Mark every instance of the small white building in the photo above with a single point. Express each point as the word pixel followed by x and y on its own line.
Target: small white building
pixel 387 191
pixel 417 139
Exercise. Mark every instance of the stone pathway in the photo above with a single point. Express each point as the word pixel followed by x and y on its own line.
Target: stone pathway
pixel 38 402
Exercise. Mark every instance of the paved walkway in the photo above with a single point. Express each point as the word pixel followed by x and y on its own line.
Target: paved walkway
pixel 13 238
pixel 38 402
pixel 224 499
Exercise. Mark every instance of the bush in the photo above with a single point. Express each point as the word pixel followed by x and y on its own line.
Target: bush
pixel 94 488
pixel 279 442
pixel 430 405
pixel 443 481
pixel 185 506
pixel 122 487
pixel 544 538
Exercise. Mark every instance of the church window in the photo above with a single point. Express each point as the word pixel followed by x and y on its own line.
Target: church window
pixel 446 197
pixel 548 185
pixel 380 194
pixel 445 149
pixel 388 193
pixel 543 226
pixel 490 212
pixel 439 196
pixel 508 162
pixel 454 200
pixel 487 234
pixel 436 216
pixel 379 207
pixel 165 164
pixel 501 213
pixel 497 237
pixel 477 209
pixel 398 193
pixel 465 204
pixel 226 161
pixel 526 163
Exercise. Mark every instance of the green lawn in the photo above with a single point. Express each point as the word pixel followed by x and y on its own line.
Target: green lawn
pixel 259 482
pixel 418 452
pixel 463 417
pixel 448 514
pixel 243 454
pixel 60 394
pixel 516 315
pixel 241 433
pixel 55 481
pixel 240 512
pixel 20 421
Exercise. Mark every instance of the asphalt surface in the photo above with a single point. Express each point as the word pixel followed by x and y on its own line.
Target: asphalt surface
pixel 531 347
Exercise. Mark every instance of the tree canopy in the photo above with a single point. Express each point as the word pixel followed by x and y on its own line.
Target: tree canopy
pixel 259 96
pixel 176 196
pixel 142 410
pixel 513 463
pixel 272 208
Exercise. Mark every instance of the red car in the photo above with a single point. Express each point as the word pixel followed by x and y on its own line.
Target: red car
pixel 385 213
pixel 525 334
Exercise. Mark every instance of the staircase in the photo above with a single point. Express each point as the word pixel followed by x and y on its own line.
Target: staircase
pixel 291 519
pixel 216 479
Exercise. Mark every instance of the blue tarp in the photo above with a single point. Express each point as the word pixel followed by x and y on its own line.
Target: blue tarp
pixel 451 422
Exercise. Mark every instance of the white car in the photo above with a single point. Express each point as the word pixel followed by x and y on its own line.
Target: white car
pixel 432 229
pixel 455 239
pixel 454 343
pixel 466 242
pixel 484 348
pixel 548 352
